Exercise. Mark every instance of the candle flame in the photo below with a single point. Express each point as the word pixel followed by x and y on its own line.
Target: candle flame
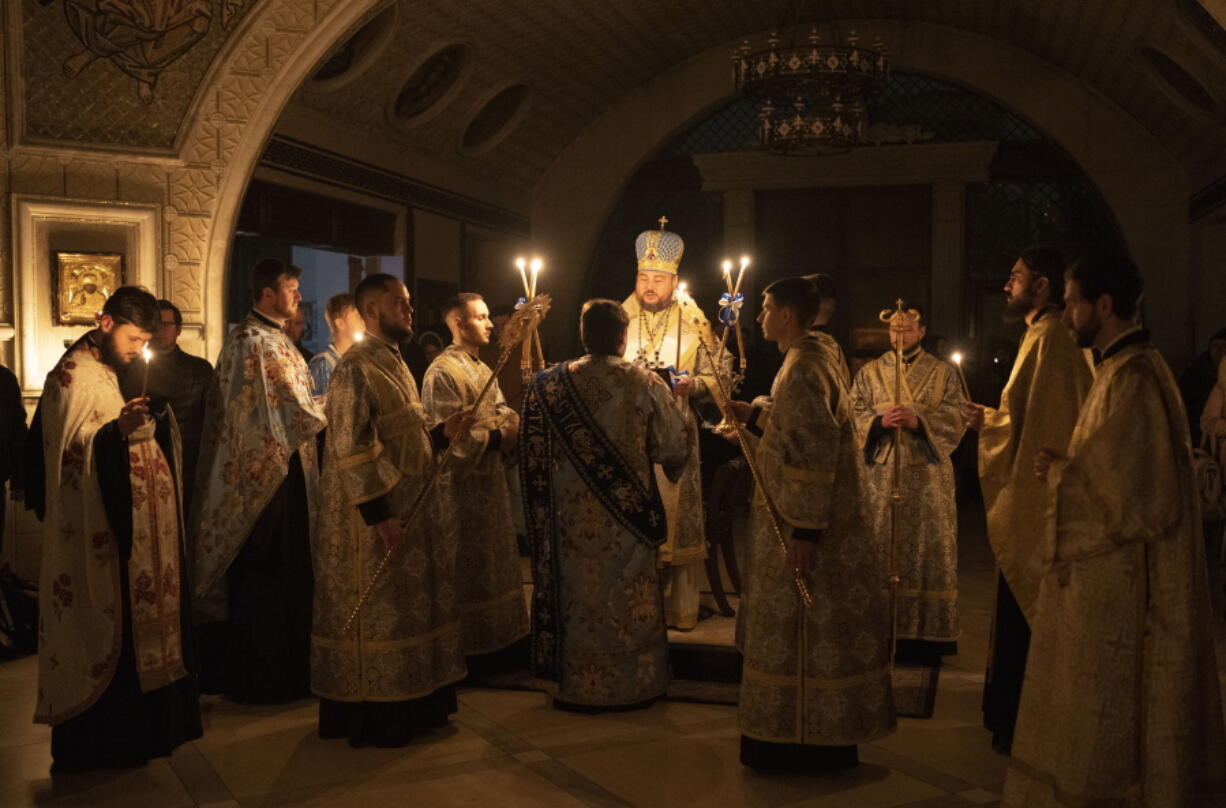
pixel 148 354
pixel 956 357
pixel 537 264
pixel 727 266
pixel 744 261
pixel 520 263
pixel 358 336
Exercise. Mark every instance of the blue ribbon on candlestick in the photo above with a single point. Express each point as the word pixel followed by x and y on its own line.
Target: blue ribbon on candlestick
pixel 730 308
pixel 519 304
pixel 676 375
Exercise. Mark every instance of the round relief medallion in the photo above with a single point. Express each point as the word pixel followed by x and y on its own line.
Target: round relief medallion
pixel 353 56
pixel 430 84
pixel 496 119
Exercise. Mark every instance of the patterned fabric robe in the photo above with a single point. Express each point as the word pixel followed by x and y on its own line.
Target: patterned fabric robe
pixel 818 675
pixel 406 642
pixel 80 628
pixel 595 526
pixel 927 552
pixel 260 411
pixel 1121 704
pixel 1038 408
pixel 489 583
pixel 686 541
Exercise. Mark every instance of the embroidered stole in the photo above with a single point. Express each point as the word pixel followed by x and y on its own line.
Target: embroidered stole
pixel 554 412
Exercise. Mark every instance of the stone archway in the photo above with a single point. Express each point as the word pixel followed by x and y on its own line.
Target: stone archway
pixel 1143 184
pixel 235 110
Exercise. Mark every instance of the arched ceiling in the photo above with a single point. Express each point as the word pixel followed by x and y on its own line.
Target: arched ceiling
pixel 580 56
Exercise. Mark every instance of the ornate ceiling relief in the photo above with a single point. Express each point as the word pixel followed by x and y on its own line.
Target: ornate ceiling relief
pixel 119 73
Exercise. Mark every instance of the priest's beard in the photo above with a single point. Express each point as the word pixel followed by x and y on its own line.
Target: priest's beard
pixel 110 354
pixel 394 331
pixel 657 305
pixel 1087 332
pixel 1018 306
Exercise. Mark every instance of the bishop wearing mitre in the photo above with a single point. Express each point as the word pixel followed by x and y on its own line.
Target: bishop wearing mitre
pixel 664 332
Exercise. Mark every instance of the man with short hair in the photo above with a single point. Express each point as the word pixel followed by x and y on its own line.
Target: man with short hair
pixel 1198 380
pixel 1038 407
pixel 114 669
pixel 488 577
pixel 391 676
pixel 257 488
pixel 594 431
pixel 928 422
pixel 1122 704
pixel 816 677
pixel 180 379
pixel 347 327
pixel 658 318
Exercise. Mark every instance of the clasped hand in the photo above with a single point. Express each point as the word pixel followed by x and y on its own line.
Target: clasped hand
pixel 133 415
pixel 898 415
pixel 1043 460
pixel 458 424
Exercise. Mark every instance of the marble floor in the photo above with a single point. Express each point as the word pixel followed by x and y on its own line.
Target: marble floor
pixel 506 748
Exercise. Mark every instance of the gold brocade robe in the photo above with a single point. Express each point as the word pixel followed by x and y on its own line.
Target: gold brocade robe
pixel 686 541
pixel 927 551
pixel 1121 705
pixel 489 583
pixel 1038 408
pixel 80 627
pixel 818 675
pixel 406 641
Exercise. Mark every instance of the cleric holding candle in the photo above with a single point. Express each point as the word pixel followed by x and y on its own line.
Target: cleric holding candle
pixel 114 672
pixel 652 343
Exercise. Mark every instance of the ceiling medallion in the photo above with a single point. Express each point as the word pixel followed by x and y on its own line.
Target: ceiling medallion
pixel 810 93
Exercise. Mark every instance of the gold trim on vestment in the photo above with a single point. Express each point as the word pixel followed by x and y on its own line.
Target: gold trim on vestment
pixel 361 457
pixel 658 265
pixel 929 594
pixel 859 680
pixel 384 645
pixel 807 475
pixel 364 696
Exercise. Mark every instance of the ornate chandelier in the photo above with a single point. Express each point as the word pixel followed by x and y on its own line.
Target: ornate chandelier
pixel 810 94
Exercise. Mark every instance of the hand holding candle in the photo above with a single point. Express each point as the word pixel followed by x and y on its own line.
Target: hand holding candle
pixel 957 360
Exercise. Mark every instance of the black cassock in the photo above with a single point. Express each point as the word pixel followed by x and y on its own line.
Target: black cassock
pixel 1002 688
pixel 125 727
pixel 261 655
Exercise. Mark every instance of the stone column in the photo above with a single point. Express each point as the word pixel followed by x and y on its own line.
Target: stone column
pixel 947 315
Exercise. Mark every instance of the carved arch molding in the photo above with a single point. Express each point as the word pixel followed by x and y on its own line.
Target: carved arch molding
pixel 265 59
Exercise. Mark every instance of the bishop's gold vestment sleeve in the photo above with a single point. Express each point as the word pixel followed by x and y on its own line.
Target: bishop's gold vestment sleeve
pixel 1121 483
pixel 364 468
pixel 668 438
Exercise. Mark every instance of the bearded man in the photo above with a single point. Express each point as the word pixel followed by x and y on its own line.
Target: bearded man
pixel 928 422
pixel 1122 704
pixel 658 318
pixel 258 482
pixel 1038 408
pixel 114 667
pixel 488 578
pixel 391 677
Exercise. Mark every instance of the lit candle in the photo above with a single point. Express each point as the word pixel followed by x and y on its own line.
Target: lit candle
pixel 536 268
pixel 358 336
pixel 957 359
pixel 740 275
pixel 680 308
pixel 522 265
pixel 728 277
pixel 144 385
